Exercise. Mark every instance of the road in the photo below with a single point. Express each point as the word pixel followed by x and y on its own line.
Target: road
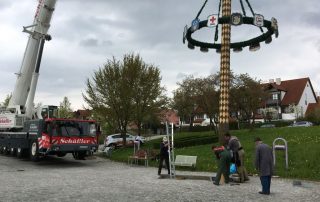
pixel 65 179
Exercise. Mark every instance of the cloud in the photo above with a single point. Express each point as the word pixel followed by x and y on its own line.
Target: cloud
pixel 87 33
pixel 311 19
pixel 89 42
pixel 5 4
pixel 318 45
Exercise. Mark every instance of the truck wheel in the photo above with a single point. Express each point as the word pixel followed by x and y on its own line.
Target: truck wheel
pixel 79 155
pixel 13 151
pixel 61 154
pixel 6 151
pixel 20 152
pixel 34 151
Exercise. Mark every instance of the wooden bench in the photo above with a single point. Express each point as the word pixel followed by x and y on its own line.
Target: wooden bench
pixel 139 155
pixel 182 160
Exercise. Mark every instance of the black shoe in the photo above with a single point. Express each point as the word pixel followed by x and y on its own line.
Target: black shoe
pixel 159 173
pixel 217 184
pixel 260 192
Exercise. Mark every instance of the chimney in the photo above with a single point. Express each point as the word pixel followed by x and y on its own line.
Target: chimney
pixel 278 81
pixel 271 81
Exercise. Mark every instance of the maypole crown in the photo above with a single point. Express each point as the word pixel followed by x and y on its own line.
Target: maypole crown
pixel 236 19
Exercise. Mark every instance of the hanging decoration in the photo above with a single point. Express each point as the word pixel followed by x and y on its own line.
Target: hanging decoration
pixel 236 19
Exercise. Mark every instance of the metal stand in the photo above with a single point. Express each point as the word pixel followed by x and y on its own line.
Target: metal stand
pixel 280 147
pixel 136 146
pixel 171 151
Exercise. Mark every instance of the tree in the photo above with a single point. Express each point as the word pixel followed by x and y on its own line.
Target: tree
pixel 208 96
pixel 6 100
pixel 314 116
pixel 197 93
pixel 246 95
pixel 146 89
pixel 124 91
pixel 184 100
pixel 65 110
pixel 296 110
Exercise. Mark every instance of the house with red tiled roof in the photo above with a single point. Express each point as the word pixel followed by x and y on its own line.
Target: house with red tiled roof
pixel 170 116
pixel 290 99
pixel 83 114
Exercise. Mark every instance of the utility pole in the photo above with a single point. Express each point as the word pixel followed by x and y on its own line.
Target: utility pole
pixel 224 72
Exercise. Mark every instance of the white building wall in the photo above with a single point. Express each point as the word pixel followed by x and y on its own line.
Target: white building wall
pixel 282 94
pixel 288 116
pixel 306 98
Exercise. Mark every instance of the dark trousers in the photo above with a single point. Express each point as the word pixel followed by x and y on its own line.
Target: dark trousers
pixel 166 159
pixel 265 182
pixel 224 170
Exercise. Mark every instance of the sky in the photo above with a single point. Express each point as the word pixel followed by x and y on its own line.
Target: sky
pixel 85 34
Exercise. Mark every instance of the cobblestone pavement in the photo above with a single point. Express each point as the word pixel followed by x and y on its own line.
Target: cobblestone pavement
pixel 64 179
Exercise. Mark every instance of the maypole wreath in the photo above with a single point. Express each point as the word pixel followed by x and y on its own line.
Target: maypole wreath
pixel 235 19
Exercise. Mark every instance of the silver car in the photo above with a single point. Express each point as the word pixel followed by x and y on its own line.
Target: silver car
pixel 302 124
pixel 116 140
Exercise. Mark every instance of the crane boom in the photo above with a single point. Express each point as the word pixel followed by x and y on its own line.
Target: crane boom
pixel 20 105
pixel 41 134
pixel 37 31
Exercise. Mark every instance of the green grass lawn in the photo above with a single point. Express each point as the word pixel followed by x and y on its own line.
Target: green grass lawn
pixel 303 151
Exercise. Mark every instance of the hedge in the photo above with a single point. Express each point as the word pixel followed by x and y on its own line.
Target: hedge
pixel 190 141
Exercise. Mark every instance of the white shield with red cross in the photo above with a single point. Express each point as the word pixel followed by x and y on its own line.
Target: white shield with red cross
pixel 212 20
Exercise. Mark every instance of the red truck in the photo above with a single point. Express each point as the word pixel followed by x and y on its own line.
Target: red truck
pixel 52 136
pixel 37 132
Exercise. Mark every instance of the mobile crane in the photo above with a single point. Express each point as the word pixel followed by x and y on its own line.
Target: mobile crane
pixel 37 132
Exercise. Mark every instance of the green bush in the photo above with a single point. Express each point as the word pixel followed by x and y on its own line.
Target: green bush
pixel 194 142
pixel 194 129
pixel 200 128
pixel 233 125
pixel 191 140
pixel 281 123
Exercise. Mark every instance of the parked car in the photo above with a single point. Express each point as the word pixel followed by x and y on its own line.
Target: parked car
pixel 269 125
pixel 301 124
pixel 116 140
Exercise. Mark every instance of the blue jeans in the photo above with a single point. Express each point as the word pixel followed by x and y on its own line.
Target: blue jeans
pixel 265 182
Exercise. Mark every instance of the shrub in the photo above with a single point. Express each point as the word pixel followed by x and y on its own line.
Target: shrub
pixel 200 128
pixel 190 141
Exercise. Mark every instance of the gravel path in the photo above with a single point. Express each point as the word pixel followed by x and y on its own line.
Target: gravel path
pixel 64 179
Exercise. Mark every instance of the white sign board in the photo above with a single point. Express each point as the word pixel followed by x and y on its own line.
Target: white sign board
pixel 212 20
pixel 258 20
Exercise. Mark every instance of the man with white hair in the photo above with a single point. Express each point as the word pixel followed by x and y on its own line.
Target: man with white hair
pixel 164 155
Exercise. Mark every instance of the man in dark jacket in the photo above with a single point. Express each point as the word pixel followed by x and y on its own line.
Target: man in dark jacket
pixel 223 158
pixel 164 155
pixel 264 165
